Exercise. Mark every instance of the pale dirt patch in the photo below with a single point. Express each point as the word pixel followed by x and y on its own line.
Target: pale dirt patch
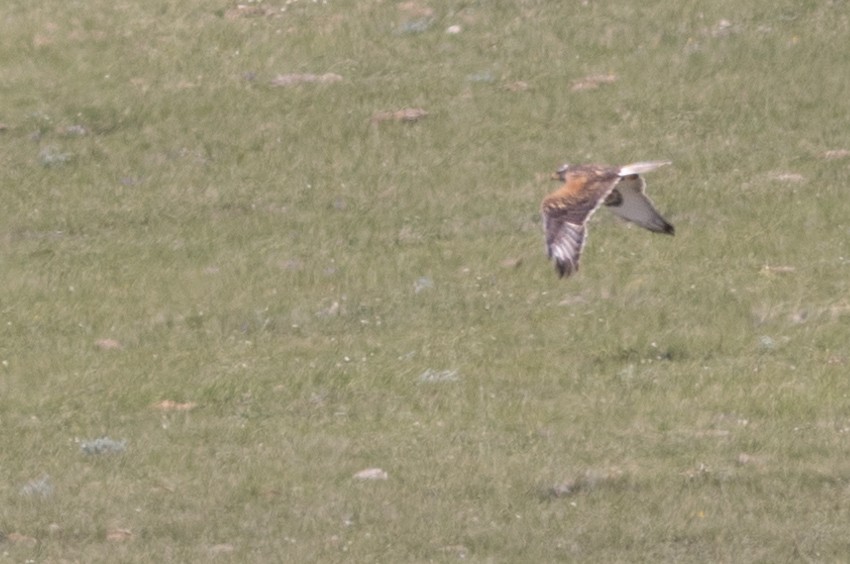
pixel 790 177
pixel 778 269
pixel 592 82
pixel 406 115
pixel 416 9
pixel 250 11
pixel 171 405
pixel 588 480
pixel 223 548
pixel 18 538
pixel 119 535
pixel 108 344
pixel 292 79
pixel 836 154
pixel 371 474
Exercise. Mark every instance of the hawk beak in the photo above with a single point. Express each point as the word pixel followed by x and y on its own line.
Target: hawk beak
pixel 561 173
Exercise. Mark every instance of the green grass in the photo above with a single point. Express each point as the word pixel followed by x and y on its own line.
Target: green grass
pixel 255 250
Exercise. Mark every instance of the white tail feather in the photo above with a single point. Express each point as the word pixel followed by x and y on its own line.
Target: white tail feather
pixel 640 168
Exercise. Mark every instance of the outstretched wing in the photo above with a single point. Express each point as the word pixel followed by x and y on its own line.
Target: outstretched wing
pixel 564 241
pixel 566 211
pixel 635 206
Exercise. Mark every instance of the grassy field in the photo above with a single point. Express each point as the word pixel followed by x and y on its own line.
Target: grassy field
pixel 220 250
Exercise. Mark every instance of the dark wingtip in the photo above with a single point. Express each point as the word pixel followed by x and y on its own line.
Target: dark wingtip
pixel 564 269
pixel 669 229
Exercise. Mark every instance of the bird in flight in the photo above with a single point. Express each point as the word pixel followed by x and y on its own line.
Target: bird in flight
pixel 586 187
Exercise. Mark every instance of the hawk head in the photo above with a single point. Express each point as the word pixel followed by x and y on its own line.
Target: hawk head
pixel 561 173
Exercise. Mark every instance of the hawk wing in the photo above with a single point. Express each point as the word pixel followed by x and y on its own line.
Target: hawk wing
pixel 629 201
pixel 566 211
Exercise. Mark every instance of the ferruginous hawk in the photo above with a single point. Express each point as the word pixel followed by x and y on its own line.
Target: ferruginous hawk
pixel 586 187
